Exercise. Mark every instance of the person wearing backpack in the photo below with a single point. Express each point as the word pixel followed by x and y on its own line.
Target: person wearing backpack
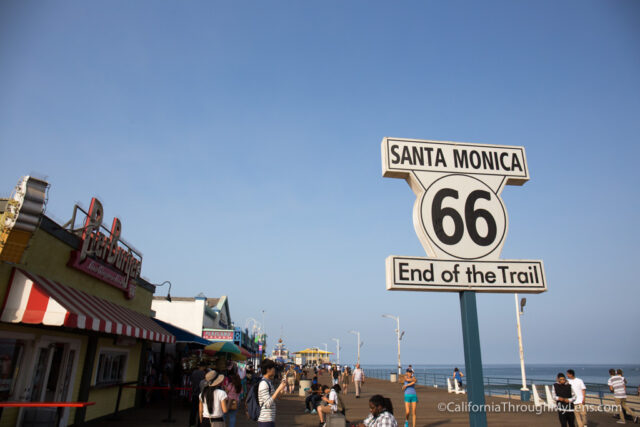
pixel 267 395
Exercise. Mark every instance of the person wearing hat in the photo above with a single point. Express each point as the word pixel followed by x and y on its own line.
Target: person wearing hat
pixel 213 400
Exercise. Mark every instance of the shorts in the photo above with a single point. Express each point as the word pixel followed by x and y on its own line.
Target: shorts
pixel 291 381
pixel 410 398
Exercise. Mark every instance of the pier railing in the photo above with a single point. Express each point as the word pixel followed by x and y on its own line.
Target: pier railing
pixel 510 387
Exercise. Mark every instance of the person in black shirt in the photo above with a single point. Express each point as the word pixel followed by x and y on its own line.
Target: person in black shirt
pixel 313 400
pixel 196 377
pixel 564 396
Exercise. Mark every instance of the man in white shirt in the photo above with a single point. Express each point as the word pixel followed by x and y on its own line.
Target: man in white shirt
pixel 358 379
pixel 580 390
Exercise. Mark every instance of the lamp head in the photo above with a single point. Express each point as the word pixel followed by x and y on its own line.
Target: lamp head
pixel 169 291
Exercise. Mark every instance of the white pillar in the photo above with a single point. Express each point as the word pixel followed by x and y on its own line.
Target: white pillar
pixel 524 377
pixel 399 363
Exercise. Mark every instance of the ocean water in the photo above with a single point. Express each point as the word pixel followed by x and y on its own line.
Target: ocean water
pixel 537 373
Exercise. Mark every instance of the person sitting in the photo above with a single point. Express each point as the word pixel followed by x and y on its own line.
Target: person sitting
pixel 381 413
pixel 332 404
pixel 313 400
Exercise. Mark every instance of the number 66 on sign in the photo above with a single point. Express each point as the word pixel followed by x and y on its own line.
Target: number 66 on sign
pixel 459 216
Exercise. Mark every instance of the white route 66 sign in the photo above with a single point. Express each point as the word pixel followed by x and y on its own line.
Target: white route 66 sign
pixel 459 215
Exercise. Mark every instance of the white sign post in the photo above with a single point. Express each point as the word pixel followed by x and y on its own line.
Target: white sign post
pixel 462 224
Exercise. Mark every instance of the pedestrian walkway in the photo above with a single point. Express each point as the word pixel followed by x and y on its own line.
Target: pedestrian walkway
pixel 432 410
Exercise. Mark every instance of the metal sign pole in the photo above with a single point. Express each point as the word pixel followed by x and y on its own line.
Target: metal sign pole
pixel 473 359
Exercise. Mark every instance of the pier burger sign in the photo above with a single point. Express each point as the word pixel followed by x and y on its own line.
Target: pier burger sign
pixel 459 217
pixel 106 256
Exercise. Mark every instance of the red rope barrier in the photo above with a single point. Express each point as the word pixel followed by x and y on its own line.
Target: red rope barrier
pixel 45 404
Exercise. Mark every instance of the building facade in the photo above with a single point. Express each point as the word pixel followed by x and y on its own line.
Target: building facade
pixel 209 318
pixel 75 319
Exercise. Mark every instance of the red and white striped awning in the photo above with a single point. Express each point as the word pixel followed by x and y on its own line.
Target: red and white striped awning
pixel 37 300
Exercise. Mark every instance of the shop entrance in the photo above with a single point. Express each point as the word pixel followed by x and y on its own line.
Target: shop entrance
pixel 53 371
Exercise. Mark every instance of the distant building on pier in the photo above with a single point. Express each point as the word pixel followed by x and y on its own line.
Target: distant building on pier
pixel 312 356
pixel 280 352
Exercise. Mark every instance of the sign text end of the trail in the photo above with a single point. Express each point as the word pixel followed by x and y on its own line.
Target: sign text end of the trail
pixel 426 274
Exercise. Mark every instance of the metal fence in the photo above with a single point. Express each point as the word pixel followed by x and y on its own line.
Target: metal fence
pixel 510 387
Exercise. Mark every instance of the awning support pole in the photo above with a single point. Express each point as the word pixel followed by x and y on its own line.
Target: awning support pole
pixel 85 381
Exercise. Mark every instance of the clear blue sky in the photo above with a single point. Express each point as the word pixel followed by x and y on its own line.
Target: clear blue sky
pixel 239 143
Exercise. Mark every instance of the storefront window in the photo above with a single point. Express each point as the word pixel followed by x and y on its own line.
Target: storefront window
pixel 11 352
pixel 111 367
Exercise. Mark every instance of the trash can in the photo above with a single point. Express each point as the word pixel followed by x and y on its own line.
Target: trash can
pixel 393 377
pixel 525 395
pixel 305 385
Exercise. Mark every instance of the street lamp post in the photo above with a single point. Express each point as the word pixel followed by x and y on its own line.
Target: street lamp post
pixel 399 336
pixel 359 344
pixel 524 391
pixel 337 340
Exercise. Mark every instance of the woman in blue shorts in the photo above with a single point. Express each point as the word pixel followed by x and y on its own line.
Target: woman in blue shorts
pixel 410 397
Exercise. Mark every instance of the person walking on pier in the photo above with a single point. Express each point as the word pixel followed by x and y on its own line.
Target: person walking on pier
pixel 335 374
pixel 457 376
pixel 580 391
pixel 381 413
pixel 197 376
pixel 213 400
pixel 564 396
pixel 291 379
pixel 233 386
pixel 346 373
pixel 410 397
pixel 617 385
pixel 358 379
